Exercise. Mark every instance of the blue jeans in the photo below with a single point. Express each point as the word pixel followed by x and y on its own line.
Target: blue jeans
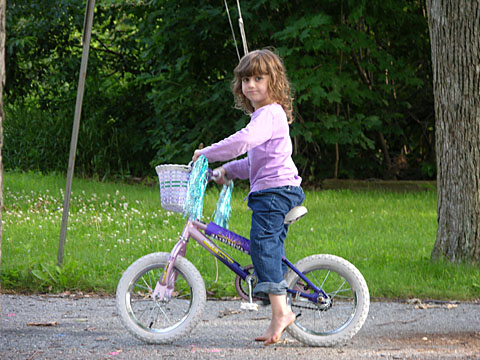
pixel 268 233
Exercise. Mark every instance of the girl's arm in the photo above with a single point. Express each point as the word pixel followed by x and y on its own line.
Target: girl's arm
pixel 259 130
pixel 237 169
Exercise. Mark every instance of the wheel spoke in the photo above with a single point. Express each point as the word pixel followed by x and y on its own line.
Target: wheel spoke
pixel 142 313
pixel 147 285
pixel 165 316
pixel 325 279
pixel 143 287
pixel 339 288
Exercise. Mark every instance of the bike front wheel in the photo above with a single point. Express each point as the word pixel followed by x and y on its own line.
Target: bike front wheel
pixel 160 321
pixel 336 319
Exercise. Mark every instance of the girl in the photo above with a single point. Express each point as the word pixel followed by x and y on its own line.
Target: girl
pixel 261 88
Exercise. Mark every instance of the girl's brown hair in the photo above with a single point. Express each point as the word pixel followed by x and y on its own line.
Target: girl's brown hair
pixel 263 62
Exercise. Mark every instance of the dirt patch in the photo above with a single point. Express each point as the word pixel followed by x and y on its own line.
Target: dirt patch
pixel 466 340
pixel 451 345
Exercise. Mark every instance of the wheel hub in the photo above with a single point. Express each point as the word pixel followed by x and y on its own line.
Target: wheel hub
pixel 323 304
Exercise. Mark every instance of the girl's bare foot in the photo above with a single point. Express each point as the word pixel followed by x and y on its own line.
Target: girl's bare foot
pixel 282 317
pixel 277 327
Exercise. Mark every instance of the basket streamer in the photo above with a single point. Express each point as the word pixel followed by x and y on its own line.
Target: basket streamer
pixel 224 206
pixel 197 182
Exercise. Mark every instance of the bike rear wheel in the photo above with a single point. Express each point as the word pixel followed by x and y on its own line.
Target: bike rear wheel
pixel 152 320
pixel 336 319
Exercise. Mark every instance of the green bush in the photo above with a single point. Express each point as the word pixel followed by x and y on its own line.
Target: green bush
pixel 159 74
pixel 34 140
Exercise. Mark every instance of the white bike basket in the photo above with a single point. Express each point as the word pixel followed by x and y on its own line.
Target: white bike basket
pixel 173 186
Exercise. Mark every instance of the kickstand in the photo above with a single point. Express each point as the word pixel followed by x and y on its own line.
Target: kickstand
pixel 250 305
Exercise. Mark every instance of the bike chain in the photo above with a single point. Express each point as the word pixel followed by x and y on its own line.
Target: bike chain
pixel 314 308
pixel 307 307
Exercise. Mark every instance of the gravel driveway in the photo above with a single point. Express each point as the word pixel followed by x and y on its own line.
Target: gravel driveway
pixel 82 327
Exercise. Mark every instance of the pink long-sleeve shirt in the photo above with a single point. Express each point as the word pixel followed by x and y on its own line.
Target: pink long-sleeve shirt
pixel 267 141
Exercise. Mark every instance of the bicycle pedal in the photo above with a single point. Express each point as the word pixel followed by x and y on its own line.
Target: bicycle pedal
pixel 249 306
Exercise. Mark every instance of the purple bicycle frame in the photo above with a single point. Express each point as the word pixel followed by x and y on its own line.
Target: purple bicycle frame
pixel 200 232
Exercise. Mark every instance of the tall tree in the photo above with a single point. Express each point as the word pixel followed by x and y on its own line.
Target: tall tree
pixel 3 5
pixel 159 76
pixel 455 41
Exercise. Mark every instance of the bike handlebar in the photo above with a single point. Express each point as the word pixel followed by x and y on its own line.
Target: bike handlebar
pixel 214 174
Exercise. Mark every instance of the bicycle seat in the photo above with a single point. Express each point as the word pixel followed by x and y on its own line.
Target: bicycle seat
pixel 296 213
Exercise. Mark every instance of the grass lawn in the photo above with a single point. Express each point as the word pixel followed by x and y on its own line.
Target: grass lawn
pixel 388 235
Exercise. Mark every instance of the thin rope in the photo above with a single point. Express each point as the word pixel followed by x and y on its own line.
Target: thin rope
pixel 242 30
pixel 233 31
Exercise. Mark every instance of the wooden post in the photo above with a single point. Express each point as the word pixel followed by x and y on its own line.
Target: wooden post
pixel 87 32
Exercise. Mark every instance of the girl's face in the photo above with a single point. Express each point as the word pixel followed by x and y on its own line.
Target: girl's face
pixel 255 88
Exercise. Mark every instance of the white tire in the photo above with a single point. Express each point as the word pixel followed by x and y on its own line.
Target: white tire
pixel 334 321
pixel 155 321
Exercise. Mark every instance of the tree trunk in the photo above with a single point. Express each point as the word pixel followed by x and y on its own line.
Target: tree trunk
pixel 3 6
pixel 455 40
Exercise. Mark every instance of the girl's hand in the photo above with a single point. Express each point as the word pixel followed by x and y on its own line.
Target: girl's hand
pixel 196 155
pixel 222 178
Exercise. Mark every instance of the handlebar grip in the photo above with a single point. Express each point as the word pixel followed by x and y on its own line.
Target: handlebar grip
pixel 216 175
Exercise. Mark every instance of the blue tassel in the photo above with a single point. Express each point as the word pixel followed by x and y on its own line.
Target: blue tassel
pixel 197 182
pixel 224 206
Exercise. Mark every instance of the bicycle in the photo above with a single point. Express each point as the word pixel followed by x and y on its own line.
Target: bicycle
pixel 161 296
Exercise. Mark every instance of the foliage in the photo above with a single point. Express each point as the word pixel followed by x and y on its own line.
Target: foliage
pixel 357 79
pixel 44 53
pixel 159 75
